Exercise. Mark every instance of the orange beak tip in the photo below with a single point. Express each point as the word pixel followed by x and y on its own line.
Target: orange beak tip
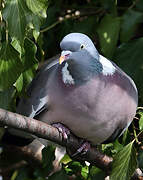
pixel 61 59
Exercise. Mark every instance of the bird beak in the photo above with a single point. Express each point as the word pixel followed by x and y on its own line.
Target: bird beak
pixel 64 56
pixel 61 59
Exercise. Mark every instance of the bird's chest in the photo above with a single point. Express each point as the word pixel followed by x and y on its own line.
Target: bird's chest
pixel 70 101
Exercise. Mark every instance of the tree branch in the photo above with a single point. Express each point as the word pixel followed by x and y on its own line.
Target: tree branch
pixel 45 131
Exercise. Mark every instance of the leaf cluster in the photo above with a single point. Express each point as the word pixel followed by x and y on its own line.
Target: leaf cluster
pixel 30 33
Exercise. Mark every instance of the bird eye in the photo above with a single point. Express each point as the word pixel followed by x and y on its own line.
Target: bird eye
pixel 82 46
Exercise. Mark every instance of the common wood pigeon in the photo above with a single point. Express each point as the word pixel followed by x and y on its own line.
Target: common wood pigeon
pixel 84 91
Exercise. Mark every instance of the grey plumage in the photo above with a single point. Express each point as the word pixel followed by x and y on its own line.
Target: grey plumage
pixel 94 98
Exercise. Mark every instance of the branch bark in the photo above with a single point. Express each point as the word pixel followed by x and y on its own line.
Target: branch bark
pixel 45 131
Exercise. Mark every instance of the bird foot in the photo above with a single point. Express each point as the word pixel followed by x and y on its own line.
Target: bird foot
pixel 62 129
pixel 85 147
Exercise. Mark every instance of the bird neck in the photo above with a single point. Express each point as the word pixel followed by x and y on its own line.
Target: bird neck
pixel 74 73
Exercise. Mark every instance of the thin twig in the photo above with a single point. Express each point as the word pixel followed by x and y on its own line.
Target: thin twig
pixel 51 26
pixel 72 16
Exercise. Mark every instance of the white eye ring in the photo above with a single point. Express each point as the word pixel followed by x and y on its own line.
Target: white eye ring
pixel 82 46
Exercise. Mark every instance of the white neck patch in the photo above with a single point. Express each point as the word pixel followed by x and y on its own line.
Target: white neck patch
pixel 108 68
pixel 66 76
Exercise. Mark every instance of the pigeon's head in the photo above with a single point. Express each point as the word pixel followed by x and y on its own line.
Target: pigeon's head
pixel 79 59
pixel 75 44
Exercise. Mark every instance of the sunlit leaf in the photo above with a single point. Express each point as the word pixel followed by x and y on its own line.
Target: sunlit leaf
pixel 66 159
pixel 20 14
pixel 28 55
pixel 16 14
pixel 75 166
pixel 14 175
pixel 15 43
pixel 25 79
pixel 19 83
pixel 23 174
pixel 29 61
pixel 29 74
pixel 38 7
pixel 108 32
pixel 10 66
pixel 85 171
pixel 124 163
pixel 141 121
pixel 36 34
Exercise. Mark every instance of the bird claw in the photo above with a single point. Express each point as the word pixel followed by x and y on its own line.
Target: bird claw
pixel 62 129
pixel 85 146
pixel 83 149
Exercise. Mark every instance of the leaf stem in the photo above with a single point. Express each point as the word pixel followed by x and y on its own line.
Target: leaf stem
pixel 6 31
pixel 51 26
pixel 70 16
pixel 133 4
pixel 135 134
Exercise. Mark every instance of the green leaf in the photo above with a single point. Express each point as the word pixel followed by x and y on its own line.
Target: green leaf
pixel 129 57
pixel 29 61
pixel 14 175
pixel 124 164
pixel 140 159
pixel 19 83
pixel 96 173
pixel 23 174
pixel 108 32
pixel 109 6
pixel 38 7
pixel 15 43
pixel 6 98
pixel 21 14
pixel 29 74
pixel 66 159
pixel 36 34
pixel 28 54
pixel 139 5
pixel 16 14
pixel 10 66
pixel 141 120
pixel 60 175
pixel 126 138
pixel 107 148
pixel 25 79
pixel 85 171
pixel 75 166
pixel 129 24
pixel 48 156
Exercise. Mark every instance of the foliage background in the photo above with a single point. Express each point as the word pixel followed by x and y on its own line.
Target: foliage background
pixel 30 33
